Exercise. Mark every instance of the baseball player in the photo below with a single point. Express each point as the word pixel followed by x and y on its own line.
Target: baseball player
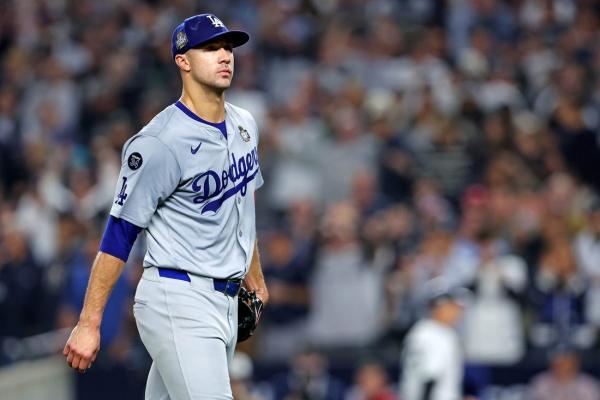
pixel 188 179
pixel 432 367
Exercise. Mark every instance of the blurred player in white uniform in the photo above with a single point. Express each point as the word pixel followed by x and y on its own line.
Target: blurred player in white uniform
pixel 432 360
pixel 188 179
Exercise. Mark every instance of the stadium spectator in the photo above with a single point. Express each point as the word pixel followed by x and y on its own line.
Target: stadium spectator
pixel 557 299
pixel 495 313
pixel 21 290
pixel 564 380
pixel 371 382
pixel 587 253
pixel 240 373
pixel 283 329
pixel 342 271
pixel 432 359
pixel 308 378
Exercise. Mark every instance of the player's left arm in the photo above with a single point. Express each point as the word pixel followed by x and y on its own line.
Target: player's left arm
pixel 254 280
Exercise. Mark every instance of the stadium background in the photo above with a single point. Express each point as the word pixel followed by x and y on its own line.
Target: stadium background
pixel 400 141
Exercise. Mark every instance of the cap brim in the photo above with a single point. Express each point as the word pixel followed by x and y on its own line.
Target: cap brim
pixel 236 38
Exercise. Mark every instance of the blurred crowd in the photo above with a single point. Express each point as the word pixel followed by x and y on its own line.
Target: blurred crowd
pixel 401 141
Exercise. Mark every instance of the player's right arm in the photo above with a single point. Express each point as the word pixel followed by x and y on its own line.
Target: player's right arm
pixel 149 173
pixel 84 343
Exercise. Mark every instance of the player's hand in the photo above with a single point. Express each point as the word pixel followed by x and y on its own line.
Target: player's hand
pixel 263 295
pixel 82 347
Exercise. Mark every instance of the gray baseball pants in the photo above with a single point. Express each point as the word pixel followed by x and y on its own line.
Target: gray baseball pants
pixel 190 331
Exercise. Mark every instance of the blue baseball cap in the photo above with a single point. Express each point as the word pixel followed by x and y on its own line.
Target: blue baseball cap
pixel 199 29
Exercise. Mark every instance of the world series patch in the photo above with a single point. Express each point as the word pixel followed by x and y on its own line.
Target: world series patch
pixel 135 161
pixel 244 133
pixel 181 40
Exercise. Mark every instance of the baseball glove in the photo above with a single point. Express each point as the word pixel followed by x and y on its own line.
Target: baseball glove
pixel 249 310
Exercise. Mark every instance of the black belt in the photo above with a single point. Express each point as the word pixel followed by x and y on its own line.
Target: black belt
pixel 230 287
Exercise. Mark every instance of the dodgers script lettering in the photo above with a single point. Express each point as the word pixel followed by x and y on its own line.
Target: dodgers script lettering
pixel 210 184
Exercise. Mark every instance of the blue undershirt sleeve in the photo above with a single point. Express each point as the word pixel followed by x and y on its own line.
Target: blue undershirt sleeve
pixel 119 237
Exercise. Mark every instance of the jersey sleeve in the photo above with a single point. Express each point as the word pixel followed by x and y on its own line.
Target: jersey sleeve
pixel 149 174
pixel 119 237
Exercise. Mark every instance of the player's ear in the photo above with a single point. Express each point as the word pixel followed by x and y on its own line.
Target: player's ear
pixel 182 62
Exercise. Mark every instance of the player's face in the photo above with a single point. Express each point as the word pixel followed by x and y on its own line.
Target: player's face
pixel 448 312
pixel 212 64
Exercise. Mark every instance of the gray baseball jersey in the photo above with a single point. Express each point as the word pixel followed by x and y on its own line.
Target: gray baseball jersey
pixel 192 189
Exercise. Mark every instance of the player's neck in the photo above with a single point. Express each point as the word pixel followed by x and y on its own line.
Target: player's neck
pixel 209 106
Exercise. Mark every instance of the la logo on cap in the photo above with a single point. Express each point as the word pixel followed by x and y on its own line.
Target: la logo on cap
pixel 215 21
